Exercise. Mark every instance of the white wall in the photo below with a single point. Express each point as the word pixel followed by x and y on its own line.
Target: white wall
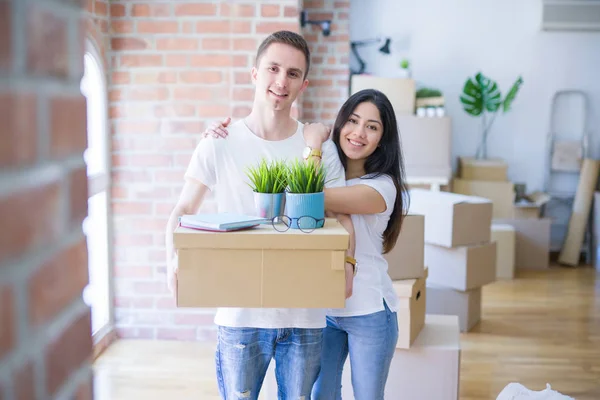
pixel 449 40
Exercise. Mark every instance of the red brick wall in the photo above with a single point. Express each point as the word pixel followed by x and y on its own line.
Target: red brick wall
pixel 96 22
pixel 174 67
pixel 328 87
pixel 45 340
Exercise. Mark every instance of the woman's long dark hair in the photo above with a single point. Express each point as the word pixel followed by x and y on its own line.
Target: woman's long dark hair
pixel 386 159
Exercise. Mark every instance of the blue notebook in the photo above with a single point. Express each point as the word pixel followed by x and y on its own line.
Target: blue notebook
pixel 222 222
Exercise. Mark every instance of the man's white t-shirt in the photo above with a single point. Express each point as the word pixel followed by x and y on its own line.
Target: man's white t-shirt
pixel 372 284
pixel 221 165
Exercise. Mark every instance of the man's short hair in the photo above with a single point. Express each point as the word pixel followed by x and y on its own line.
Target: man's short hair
pixel 285 37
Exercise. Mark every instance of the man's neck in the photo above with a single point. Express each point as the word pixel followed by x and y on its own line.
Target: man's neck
pixel 271 125
pixel 355 168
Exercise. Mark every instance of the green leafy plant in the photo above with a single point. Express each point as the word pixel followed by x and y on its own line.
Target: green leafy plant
pixel 305 177
pixel 428 92
pixel 480 97
pixel 268 177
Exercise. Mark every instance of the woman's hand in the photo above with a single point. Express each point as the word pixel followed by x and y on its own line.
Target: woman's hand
pixel 217 129
pixel 315 134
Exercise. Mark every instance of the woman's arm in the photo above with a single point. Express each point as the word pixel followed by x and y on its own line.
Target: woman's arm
pixel 356 199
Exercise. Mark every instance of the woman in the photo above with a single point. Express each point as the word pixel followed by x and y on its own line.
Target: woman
pixel 366 136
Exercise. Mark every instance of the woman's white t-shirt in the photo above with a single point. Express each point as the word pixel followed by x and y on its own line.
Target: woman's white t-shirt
pixel 372 284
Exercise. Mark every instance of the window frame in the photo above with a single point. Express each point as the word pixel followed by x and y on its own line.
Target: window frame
pixel 98 183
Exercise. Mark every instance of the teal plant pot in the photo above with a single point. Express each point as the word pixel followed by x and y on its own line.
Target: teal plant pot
pixel 306 210
pixel 269 205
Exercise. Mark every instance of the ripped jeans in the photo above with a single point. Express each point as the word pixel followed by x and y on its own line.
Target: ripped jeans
pixel 243 356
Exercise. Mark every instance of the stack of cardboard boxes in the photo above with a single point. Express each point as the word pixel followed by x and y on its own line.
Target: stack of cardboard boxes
pixel 407 269
pixel 459 253
pixel 531 234
pixel 426 363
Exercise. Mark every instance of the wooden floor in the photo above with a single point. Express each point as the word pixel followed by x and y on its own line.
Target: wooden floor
pixel 543 327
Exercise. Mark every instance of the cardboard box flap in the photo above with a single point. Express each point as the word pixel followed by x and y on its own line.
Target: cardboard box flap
pixel 490 162
pixel 410 287
pixel 333 236
pixel 534 200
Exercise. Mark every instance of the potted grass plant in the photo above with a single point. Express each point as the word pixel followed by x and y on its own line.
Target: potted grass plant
pixel 268 180
pixel 305 198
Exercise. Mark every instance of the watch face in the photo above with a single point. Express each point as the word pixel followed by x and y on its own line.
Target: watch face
pixel 306 152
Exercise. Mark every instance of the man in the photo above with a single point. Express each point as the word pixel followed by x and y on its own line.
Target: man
pixel 249 338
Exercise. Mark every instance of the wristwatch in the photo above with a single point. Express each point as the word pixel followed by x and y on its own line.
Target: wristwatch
pixel 310 152
pixel 352 261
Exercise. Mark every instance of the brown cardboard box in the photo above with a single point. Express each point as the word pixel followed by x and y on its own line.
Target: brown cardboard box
pixel 529 211
pixel 493 169
pixel 505 237
pixel 411 314
pixel 452 219
pixel 500 193
pixel 531 207
pixel 426 145
pixel 532 243
pixel 262 267
pixel 446 301
pixel 405 261
pixel 461 268
pixel 400 91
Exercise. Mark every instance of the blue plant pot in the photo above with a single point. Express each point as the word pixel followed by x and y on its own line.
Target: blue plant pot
pixel 269 205
pixel 300 205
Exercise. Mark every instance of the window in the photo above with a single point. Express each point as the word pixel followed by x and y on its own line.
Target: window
pixel 98 294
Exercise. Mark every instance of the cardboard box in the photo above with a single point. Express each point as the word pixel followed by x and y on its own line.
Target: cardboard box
pixel 429 370
pixel 532 242
pixel 411 315
pixel 463 267
pixel 262 267
pixel 426 146
pixel 400 91
pixel 405 260
pixel 466 305
pixel 530 207
pixel 452 219
pixel 500 193
pixel 505 237
pixel 493 169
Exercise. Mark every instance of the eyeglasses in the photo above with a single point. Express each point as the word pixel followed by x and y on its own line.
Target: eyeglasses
pixel 306 224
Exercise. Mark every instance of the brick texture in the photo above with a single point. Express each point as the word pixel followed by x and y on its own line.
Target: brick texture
pixel 328 87
pixel 45 340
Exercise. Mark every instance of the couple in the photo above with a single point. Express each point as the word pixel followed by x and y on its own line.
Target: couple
pixel 365 181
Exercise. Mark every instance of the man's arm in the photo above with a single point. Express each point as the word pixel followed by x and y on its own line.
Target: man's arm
pixel 189 202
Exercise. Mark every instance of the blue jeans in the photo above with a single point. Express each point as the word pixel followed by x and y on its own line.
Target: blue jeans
pixel 243 356
pixel 371 341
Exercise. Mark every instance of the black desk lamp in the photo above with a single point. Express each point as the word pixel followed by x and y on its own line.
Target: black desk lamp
pixel 385 49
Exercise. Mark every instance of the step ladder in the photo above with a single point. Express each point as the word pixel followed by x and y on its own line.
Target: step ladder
pixel 567 145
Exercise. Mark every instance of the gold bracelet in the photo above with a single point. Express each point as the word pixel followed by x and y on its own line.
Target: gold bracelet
pixel 352 261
